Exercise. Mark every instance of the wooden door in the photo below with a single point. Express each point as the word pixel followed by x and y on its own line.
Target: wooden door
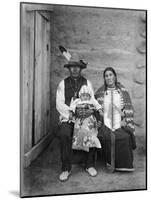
pixel 35 80
pixel 41 94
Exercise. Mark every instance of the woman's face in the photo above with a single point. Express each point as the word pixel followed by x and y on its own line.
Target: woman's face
pixel 110 78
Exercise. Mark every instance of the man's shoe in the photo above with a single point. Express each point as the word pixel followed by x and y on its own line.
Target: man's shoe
pixel 91 171
pixel 64 176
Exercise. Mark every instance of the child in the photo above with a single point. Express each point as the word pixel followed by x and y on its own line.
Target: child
pixel 85 127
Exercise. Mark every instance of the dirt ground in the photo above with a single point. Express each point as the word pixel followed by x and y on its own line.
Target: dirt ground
pixel 41 177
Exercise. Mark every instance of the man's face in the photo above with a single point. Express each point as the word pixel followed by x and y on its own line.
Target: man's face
pixel 75 71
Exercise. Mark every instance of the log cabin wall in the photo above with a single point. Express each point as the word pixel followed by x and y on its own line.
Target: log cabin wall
pixel 104 37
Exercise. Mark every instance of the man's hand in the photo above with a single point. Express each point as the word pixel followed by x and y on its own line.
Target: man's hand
pixel 123 123
pixel 100 112
pixel 70 115
pixel 83 112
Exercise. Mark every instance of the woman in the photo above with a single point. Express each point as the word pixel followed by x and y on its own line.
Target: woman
pixel 117 131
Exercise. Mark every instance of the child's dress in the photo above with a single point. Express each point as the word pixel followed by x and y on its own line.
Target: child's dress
pixel 85 127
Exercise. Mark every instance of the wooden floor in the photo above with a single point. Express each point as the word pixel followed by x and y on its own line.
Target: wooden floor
pixel 41 178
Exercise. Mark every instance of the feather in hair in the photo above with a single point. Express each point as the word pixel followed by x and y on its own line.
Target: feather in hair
pixel 65 53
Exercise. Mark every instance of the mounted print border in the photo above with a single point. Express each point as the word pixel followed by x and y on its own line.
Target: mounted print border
pixel 104 37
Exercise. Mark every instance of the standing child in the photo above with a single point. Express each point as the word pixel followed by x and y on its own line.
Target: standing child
pixel 83 110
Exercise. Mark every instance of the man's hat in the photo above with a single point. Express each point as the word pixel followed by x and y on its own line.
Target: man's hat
pixel 73 60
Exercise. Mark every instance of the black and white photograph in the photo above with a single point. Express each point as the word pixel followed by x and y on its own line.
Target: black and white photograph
pixel 83 99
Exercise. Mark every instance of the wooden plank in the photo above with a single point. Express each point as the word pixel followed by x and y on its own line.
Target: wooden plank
pixel 38 78
pixel 31 78
pixel 46 15
pixel 42 88
pixel 22 90
pixel 36 150
pixel 44 77
pixel 48 112
pixel 25 82
pixel 26 48
pixel 37 7
pixel 48 54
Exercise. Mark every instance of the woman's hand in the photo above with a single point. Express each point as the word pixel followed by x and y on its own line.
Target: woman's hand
pixel 120 111
pixel 99 124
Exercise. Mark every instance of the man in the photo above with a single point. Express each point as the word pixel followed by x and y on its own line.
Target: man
pixel 66 90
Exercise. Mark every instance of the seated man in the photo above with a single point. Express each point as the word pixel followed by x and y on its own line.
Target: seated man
pixel 69 89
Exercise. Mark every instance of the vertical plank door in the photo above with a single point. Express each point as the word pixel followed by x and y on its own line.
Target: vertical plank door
pixel 27 63
pixel 42 77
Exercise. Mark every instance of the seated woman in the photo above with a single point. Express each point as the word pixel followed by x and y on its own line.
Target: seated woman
pixel 117 133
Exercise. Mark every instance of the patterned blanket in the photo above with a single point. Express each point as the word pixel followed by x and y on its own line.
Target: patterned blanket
pixel 127 110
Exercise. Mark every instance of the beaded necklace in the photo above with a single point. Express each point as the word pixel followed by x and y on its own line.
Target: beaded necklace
pixel 76 86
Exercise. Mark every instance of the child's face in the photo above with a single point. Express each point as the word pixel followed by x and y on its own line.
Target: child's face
pixel 85 97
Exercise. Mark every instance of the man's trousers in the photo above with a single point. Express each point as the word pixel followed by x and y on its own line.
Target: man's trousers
pixel 65 137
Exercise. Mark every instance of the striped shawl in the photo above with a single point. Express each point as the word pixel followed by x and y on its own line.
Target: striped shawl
pixel 127 105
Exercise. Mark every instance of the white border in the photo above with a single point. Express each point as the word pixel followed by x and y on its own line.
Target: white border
pixel 9 99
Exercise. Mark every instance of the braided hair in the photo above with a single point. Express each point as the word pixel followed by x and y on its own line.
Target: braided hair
pixel 112 70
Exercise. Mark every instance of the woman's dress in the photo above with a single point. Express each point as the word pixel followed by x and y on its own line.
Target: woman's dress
pixel 117 141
